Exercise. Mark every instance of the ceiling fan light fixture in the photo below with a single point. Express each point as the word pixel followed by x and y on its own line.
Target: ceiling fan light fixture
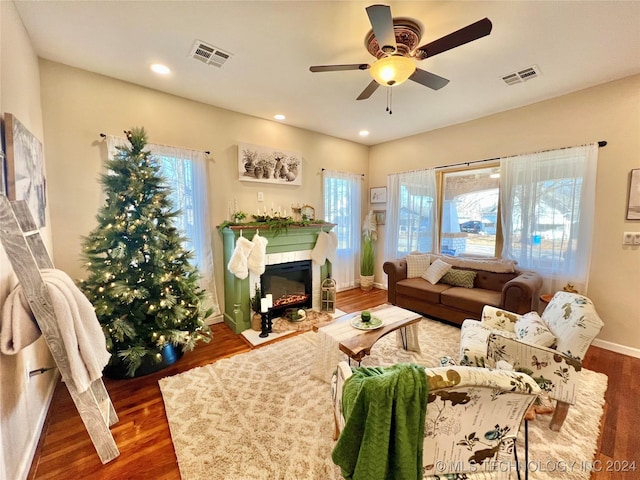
pixel 393 70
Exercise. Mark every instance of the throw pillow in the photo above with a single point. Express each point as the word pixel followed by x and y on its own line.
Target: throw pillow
pixel 532 329
pixel 417 264
pixel 459 278
pixel 436 271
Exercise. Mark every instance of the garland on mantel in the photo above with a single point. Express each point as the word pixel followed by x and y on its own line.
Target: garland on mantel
pixel 277 225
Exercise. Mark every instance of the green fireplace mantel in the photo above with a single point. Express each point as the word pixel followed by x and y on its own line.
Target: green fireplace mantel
pixel 237 292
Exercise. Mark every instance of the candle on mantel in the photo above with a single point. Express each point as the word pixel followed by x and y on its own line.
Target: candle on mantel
pixel 264 305
pixel 270 300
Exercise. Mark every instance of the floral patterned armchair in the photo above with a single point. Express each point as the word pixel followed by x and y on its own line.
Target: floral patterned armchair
pixel 473 416
pixel 549 348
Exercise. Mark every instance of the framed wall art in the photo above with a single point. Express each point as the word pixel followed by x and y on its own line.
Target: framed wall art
pixel 269 165
pixel 25 168
pixel 633 203
pixel 378 194
pixel 381 216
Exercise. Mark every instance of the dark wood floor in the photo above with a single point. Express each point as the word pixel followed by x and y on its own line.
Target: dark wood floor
pixel 146 452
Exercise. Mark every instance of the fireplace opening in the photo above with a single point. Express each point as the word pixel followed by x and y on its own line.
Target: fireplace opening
pixel 289 283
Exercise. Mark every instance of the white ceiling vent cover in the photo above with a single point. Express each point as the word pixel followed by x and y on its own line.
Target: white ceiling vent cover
pixel 209 54
pixel 522 75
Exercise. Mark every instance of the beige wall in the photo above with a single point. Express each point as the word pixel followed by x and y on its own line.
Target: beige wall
pixel 23 405
pixel 78 105
pixel 608 112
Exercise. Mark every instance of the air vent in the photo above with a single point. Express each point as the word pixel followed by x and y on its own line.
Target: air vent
pixel 209 54
pixel 522 75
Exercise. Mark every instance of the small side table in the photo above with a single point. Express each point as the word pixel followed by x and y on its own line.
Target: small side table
pixel 546 297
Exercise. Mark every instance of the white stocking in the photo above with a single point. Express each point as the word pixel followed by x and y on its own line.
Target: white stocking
pixel 258 255
pixel 238 262
pixel 319 252
pixel 332 247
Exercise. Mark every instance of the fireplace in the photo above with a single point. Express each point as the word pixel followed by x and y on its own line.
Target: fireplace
pixel 290 284
pixel 291 247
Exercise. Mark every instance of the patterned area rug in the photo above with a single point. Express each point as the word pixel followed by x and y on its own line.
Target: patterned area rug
pixel 260 416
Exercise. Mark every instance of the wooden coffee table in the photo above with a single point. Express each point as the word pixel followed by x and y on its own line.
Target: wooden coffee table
pixel 356 343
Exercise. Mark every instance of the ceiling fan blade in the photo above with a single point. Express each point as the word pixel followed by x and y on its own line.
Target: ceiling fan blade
pixel 382 24
pixel 367 92
pixel 428 79
pixel 337 68
pixel 467 34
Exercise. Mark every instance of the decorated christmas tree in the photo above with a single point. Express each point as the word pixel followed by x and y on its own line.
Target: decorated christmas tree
pixel 141 280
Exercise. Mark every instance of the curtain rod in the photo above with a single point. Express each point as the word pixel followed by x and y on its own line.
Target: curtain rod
pixel 362 174
pixel 206 151
pixel 601 143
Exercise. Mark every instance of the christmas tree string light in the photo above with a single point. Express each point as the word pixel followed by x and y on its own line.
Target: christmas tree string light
pixel 140 279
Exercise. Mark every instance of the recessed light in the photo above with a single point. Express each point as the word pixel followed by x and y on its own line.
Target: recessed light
pixel 160 69
pixel 279 116
pixel 363 133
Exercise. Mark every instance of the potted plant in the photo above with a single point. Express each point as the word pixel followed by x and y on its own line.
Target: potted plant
pixel 239 216
pixel 367 255
pixel 256 318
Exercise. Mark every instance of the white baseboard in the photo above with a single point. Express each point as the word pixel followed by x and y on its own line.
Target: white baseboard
pixel 214 319
pixel 616 347
pixel 32 445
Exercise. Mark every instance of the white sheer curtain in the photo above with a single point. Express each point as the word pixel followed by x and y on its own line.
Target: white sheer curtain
pixel 412 218
pixel 547 200
pixel 186 173
pixel 342 206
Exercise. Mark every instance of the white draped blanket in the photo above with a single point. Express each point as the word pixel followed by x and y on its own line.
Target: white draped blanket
pixel 82 338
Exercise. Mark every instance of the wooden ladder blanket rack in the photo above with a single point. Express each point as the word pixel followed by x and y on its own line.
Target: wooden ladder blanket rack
pixel 28 255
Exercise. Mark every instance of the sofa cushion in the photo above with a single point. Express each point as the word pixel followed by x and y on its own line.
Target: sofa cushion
pixel 495 265
pixel 532 329
pixel 421 289
pixel 470 299
pixel 492 281
pixel 436 271
pixel 459 278
pixel 417 264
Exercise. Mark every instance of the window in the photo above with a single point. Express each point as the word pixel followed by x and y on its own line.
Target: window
pixel 470 212
pixel 411 213
pixel 536 209
pixel 342 200
pixel 550 200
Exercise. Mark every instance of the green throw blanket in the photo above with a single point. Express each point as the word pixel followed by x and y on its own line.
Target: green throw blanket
pixel 384 411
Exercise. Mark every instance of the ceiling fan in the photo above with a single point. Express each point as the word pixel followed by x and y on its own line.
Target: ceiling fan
pixel 393 42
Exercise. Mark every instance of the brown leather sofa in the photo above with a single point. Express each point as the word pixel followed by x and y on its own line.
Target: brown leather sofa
pixel 513 291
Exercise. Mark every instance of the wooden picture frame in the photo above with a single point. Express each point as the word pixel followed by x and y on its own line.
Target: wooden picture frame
pixel 378 194
pixel 633 201
pixel 25 168
pixel 381 216
pixel 269 165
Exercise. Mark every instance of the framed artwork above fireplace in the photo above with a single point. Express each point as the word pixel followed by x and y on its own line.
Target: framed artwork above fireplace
pixel 269 165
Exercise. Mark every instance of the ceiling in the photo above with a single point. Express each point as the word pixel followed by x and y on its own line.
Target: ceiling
pixel 575 45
